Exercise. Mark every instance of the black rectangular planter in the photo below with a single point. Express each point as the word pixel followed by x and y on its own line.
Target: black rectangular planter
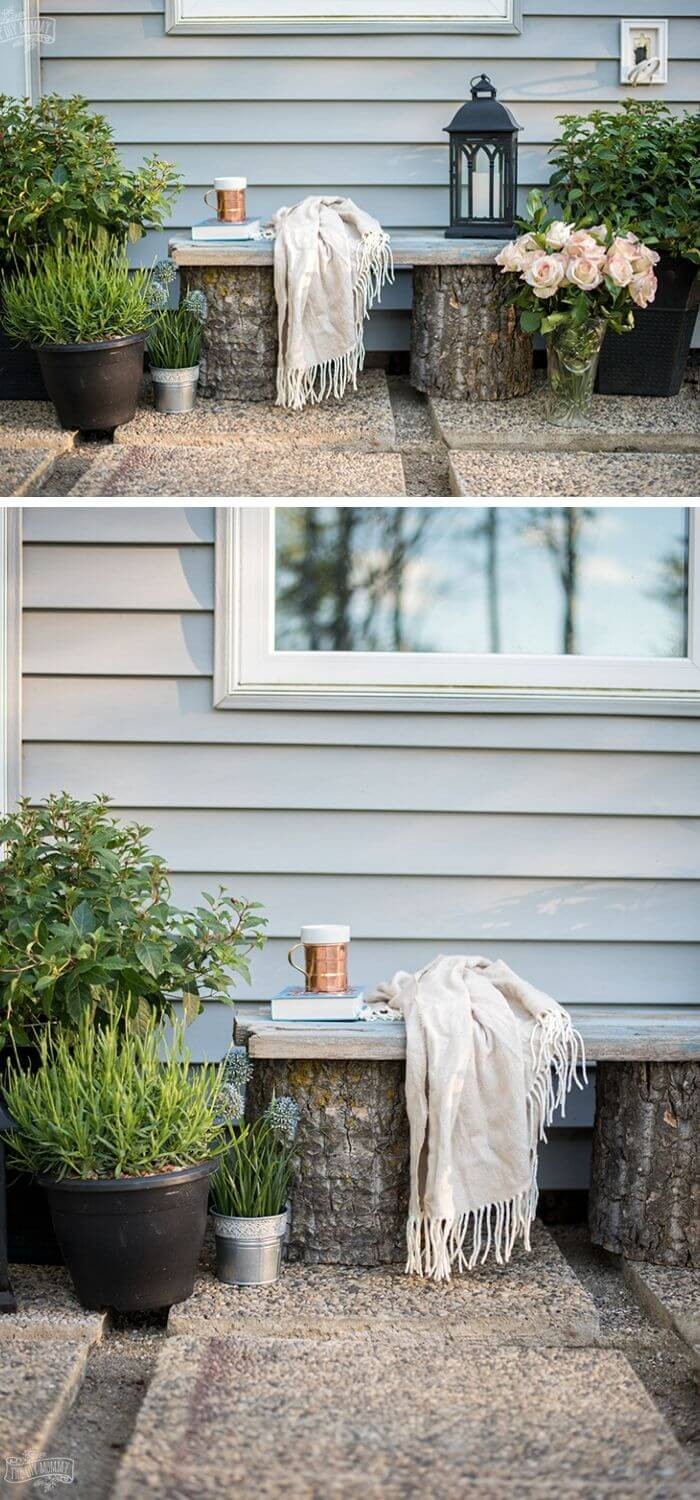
pixel 651 360
pixel 20 376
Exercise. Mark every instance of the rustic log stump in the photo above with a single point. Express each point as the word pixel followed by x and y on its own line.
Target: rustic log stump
pixel 350 1197
pixel 645 1189
pixel 465 339
pixel 239 348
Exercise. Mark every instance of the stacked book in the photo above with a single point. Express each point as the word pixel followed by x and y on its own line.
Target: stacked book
pixel 216 230
pixel 297 1004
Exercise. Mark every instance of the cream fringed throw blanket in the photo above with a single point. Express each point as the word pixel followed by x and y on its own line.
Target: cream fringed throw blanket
pixel 489 1059
pixel 331 262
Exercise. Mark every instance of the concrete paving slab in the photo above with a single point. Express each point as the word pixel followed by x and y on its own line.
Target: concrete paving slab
pixel 362 421
pixel 33 424
pixel 145 471
pixel 671 1296
pixel 646 424
pixel 47 1308
pixel 572 474
pixel 22 469
pixel 537 1299
pixel 38 1382
pixel 366 1418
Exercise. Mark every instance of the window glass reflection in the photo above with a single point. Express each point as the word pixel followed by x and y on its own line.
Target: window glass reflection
pixel 547 580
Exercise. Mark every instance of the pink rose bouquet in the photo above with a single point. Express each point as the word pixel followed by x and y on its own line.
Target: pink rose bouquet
pixel 571 282
pixel 571 275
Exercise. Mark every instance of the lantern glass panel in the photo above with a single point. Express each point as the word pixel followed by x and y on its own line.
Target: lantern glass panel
pixel 483 181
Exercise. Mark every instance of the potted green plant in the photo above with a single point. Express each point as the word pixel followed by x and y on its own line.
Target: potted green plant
pixel 123 1134
pixel 572 284
pixel 86 316
pixel 175 343
pixel 60 174
pixel 638 169
pixel 87 922
pixel 250 1188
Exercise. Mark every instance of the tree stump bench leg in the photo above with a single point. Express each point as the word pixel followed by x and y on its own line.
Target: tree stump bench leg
pixel 350 1197
pixel 466 340
pixel 645 1187
pixel 239 346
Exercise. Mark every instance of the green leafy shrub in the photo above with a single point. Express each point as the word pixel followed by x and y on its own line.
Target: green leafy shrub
pixel 87 920
pixel 110 1101
pixel 60 174
pixel 254 1176
pixel 637 169
pixel 77 293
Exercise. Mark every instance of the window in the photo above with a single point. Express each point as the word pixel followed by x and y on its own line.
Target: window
pixel 392 604
pixel 341 15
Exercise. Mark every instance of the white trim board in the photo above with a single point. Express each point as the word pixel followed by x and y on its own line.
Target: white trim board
pixel 10 655
pixel 248 673
pixel 264 16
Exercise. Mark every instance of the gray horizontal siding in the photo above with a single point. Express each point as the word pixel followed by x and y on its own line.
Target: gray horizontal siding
pixel 567 842
pixel 357 114
pixel 178 709
pixel 375 778
pixel 427 844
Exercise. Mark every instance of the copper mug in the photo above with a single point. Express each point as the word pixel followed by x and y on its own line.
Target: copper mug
pixel 230 199
pixel 325 959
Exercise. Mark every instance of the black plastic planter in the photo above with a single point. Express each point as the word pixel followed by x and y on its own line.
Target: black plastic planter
pixel 20 376
pixel 132 1243
pixel 94 387
pixel 651 360
pixel 30 1233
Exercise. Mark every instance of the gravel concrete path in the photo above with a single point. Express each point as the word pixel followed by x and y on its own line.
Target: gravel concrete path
pixel 384 440
pixel 180 1416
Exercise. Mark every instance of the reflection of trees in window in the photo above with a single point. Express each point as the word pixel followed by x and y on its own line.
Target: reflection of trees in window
pixel 342 577
pixel 516 579
pixel 561 531
pixel 671 589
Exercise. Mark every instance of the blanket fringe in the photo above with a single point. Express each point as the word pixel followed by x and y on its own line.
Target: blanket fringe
pixel 297 388
pixel 437 1247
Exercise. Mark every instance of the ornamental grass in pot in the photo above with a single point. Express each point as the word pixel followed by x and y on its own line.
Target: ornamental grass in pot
pixel 637 169
pixel 250 1188
pixel 86 314
pixel 175 343
pixel 88 922
pixel 123 1134
pixel 60 175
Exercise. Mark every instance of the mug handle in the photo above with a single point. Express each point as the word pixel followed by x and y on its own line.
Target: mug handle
pixel 206 197
pixel 292 950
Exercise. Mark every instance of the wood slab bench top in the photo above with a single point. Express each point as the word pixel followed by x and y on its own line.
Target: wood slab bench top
pixel 409 249
pixel 609 1034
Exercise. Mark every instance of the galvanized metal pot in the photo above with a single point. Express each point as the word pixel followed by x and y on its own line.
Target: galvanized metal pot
pixel 249 1251
pixel 175 390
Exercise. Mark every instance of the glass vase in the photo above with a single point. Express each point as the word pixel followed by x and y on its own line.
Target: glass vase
pixel 572 365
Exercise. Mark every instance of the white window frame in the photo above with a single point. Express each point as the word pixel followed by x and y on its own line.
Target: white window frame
pixel 249 673
pixel 194 17
pixel 10 655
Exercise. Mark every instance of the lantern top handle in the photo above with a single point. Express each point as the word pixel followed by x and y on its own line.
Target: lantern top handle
pixel 482 85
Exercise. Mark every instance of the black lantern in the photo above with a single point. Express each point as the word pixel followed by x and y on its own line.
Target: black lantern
pixel 8 1302
pixel 483 167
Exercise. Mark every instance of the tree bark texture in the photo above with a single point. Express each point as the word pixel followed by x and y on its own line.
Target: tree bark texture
pixel 350 1195
pixel 645 1189
pixel 465 340
pixel 239 348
